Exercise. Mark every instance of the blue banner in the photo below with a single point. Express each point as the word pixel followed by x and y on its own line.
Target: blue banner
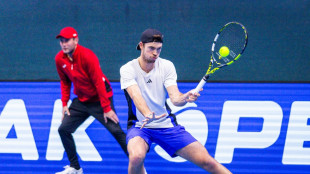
pixel 248 127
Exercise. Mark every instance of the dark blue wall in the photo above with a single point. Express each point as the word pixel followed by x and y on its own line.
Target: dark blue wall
pixel 277 49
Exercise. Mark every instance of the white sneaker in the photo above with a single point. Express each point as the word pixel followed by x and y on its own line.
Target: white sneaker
pixel 70 170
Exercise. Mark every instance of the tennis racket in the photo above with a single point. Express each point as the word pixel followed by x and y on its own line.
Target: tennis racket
pixel 228 45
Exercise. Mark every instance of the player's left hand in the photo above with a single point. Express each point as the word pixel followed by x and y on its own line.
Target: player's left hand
pixel 151 117
pixel 112 116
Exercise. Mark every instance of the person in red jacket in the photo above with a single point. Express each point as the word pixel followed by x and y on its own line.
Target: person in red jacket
pixel 79 66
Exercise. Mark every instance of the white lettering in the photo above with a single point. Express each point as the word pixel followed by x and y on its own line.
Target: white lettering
pixel 297 133
pixel 14 114
pixel 229 138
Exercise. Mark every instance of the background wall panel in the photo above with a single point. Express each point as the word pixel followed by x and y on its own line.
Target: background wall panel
pixel 277 49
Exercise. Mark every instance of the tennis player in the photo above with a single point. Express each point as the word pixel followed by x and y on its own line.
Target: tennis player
pixel 146 81
pixel 79 66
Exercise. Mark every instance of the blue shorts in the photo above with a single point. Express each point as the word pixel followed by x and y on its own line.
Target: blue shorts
pixel 170 139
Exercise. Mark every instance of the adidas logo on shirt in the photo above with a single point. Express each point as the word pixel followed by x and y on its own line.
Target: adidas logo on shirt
pixel 149 81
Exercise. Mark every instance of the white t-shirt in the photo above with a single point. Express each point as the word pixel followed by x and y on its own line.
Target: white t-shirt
pixel 153 88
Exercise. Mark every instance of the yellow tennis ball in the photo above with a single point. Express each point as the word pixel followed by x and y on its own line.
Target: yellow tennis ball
pixel 224 51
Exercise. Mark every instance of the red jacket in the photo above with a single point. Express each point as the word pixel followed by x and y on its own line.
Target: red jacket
pixel 90 84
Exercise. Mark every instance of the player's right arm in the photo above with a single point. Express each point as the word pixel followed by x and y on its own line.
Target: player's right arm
pixel 129 83
pixel 135 94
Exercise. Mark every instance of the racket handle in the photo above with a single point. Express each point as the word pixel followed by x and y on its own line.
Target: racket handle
pixel 201 83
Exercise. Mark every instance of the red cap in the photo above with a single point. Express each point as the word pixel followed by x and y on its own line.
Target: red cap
pixel 67 32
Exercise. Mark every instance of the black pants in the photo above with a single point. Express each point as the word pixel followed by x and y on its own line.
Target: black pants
pixel 79 112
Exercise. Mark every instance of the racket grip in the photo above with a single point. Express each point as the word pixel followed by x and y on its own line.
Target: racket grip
pixel 201 84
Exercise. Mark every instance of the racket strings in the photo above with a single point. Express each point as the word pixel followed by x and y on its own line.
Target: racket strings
pixel 232 36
